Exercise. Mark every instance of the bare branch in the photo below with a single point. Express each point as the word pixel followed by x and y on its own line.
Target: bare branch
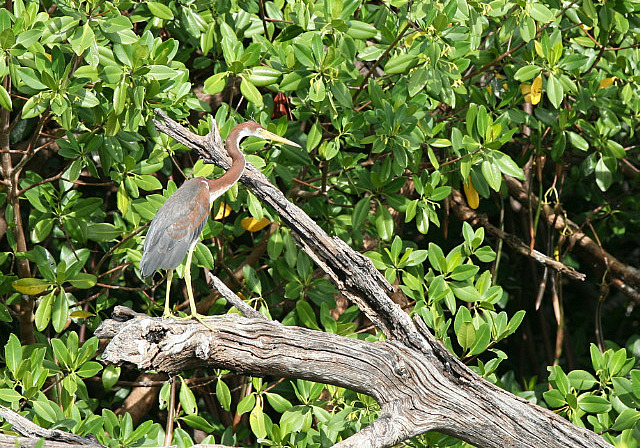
pixel 233 299
pixel 416 393
pixel 465 213
pixel 588 248
pixel 27 428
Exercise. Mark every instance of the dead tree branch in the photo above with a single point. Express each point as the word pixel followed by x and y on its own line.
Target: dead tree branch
pixel 586 247
pixel 419 385
pixel 465 213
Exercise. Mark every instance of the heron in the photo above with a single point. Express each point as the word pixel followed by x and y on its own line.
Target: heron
pixel 176 227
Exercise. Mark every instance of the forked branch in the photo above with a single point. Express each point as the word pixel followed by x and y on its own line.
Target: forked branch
pixel 419 385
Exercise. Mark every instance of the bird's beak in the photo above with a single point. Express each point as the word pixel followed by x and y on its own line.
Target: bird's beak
pixel 276 138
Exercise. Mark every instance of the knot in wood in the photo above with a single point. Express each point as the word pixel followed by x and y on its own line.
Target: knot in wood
pixel 400 368
pixel 155 335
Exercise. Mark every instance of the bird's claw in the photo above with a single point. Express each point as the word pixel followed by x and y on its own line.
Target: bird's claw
pixel 200 318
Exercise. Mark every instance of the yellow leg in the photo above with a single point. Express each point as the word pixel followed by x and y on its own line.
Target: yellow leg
pixel 192 302
pixel 187 279
pixel 167 311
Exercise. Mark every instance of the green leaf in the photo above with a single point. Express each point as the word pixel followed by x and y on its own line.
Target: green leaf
pixel 103 231
pixel 110 376
pixel 215 83
pixel 577 141
pixel 515 322
pixel 400 63
pixel 527 29
pixel 197 422
pixel 246 404
pixel 483 338
pixel 13 353
pixel 466 335
pixel 436 258
pixel 464 272
pixel 257 422
pixel 306 315
pixel 252 94
pixel 492 174
pixel 60 311
pixel 593 404
pixel 43 312
pixel 223 394
pixel 34 106
pixel 314 137
pixel 555 91
pixel 159 10
pixel 261 76
pixel 507 166
pixel 485 254
pixel 384 222
pixel 187 399
pixel 527 72
pixel 554 398
pixel 626 420
pixel 541 13
pixel 83 280
pixel 361 30
pixel 581 379
pixel 466 293
pixel 10 395
pixel 278 402
pixel 31 286
pixel 5 99
pixel 317 90
pixel 418 81
pixel 61 352
pixel 604 177
pixel 89 369
pixel 148 182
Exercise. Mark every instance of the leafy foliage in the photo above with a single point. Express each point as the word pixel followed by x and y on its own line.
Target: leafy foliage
pixel 397 104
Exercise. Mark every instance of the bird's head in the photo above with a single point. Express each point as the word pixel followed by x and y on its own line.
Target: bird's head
pixel 253 129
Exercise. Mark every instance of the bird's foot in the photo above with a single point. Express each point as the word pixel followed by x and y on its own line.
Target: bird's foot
pixel 200 318
pixel 169 315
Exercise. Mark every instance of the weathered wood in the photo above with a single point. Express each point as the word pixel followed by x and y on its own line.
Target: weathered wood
pixel 415 395
pixel 9 441
pixel 34 432
pixel 419 385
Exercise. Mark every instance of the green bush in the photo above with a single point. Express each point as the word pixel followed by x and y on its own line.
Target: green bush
pixel 396 104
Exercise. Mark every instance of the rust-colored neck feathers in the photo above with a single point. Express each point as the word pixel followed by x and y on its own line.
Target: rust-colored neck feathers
pixel 218 187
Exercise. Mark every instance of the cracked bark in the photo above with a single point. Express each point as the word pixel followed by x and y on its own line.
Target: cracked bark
pixel 419 385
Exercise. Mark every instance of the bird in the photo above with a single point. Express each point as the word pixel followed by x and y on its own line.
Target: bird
pixel 175 229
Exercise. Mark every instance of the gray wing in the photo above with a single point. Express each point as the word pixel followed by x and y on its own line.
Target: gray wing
pixel 176 227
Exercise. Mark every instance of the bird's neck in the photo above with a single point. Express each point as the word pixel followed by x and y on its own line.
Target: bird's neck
pixel 218 187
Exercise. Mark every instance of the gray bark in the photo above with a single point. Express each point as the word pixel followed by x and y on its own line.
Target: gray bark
pixel 419 385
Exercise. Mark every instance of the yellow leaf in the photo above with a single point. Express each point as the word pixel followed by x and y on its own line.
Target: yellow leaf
pixel 532 93
pixel 585 27
pixel 223 211
pixel 81 314
pixel 607 82
pixel 526 91
pixel 536 90
pixel 409 40
pixel 31 286
pixel 472 195
pixel 253 225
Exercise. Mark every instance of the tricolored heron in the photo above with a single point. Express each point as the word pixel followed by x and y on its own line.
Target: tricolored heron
pixel 175 230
